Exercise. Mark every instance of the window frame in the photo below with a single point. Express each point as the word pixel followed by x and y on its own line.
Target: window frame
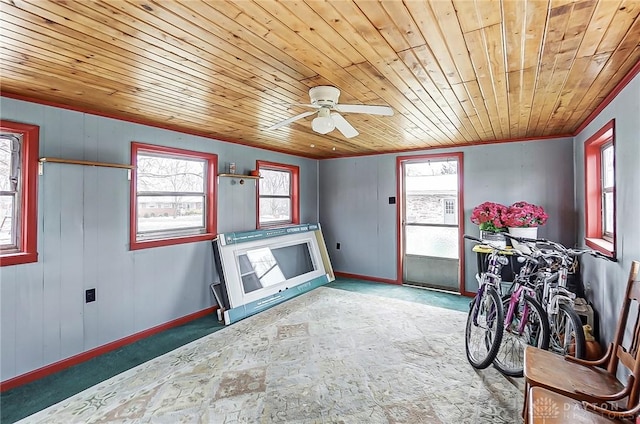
pixel 595 237
pixel 27 251
pixel 606 235
pixel 210 191
pixel 294 192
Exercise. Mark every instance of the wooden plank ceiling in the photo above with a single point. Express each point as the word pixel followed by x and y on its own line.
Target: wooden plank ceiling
pixel 454 71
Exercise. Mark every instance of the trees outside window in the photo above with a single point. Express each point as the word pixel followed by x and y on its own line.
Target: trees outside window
pixel 600 195
pixel 277 194
pixel 18 193
pixel 607 186
pixel 173 196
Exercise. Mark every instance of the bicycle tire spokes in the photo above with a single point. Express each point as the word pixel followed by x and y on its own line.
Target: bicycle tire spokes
pixel 527 326
pixel 549 281
pixel 567 335
pixel 483 332
pixel 538 312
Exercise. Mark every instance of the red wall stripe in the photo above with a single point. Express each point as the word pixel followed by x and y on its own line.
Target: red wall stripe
pixel 147 123
pixel 619 87
pixel 616 90
pixel 89 354
pixel 365 277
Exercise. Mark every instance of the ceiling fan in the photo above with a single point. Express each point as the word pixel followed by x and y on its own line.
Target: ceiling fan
pixel 324 98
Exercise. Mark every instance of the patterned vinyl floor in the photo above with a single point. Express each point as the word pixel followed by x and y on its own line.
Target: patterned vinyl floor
pixel 328 356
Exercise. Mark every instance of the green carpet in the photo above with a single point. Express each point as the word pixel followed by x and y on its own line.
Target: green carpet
pixel 25 400
pixel 410 294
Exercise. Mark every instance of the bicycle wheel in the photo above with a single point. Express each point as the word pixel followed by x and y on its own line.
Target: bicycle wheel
pixel 517 335
pixel 483 332
pixel 567 335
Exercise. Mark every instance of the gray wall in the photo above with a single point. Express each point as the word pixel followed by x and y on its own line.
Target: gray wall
pixel 83 236
pixel 83 225
pixel 355 211
pixel 607 280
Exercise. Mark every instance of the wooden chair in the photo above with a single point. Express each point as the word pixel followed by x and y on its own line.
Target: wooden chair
pixel 546 407
pixel 585 380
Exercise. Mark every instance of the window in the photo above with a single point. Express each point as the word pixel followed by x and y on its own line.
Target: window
pixel 277 194
pixel 18 193
pixel 600 207
pixel 172 196
pixel 430 208
pixel 449 206
pixel 608 208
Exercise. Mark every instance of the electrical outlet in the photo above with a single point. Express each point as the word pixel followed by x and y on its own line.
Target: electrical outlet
pixel 337 246
pixel 90 295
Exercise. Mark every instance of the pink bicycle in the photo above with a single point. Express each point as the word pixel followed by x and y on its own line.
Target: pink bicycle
pixel 500 326
pixel 525 321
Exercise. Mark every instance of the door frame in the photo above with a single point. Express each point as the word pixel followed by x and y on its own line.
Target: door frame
pixel 399 212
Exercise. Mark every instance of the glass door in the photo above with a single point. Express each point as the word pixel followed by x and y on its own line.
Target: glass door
pixel 430 221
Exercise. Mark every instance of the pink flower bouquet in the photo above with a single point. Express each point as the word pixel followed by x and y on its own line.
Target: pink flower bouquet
pixel 490 216
pixel 523 214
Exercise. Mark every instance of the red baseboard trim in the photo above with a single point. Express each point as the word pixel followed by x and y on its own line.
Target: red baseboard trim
pixel 89 354
pixel 366 277
pixel 385 280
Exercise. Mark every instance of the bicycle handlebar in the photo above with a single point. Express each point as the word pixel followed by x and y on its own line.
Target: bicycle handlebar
pixel 594 253
pixel 522 239
pixel 534 242
pixel 572 252
pixel 601 256
pixel 468 237
pixel 513 251
pixel 558 247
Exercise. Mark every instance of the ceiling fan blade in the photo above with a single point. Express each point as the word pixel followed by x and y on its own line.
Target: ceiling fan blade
pixel 290 120
pixel 343 126
pixel 370 109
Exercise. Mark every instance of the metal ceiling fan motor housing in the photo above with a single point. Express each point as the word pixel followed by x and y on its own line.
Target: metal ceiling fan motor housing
pixel 324 99
pixel 324 96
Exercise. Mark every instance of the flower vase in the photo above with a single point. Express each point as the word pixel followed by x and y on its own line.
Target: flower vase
pixel 524 232
pixel 497 240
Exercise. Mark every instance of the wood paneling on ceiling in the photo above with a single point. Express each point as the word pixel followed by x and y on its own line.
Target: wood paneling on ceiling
pixel 455 72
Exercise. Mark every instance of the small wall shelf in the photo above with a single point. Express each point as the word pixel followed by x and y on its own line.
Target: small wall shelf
pixel 241 177
pixel 82 162
pixel 250 177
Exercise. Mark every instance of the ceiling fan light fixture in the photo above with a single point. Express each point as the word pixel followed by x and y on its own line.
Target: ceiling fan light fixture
pixel 324 99
pixel 323 123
